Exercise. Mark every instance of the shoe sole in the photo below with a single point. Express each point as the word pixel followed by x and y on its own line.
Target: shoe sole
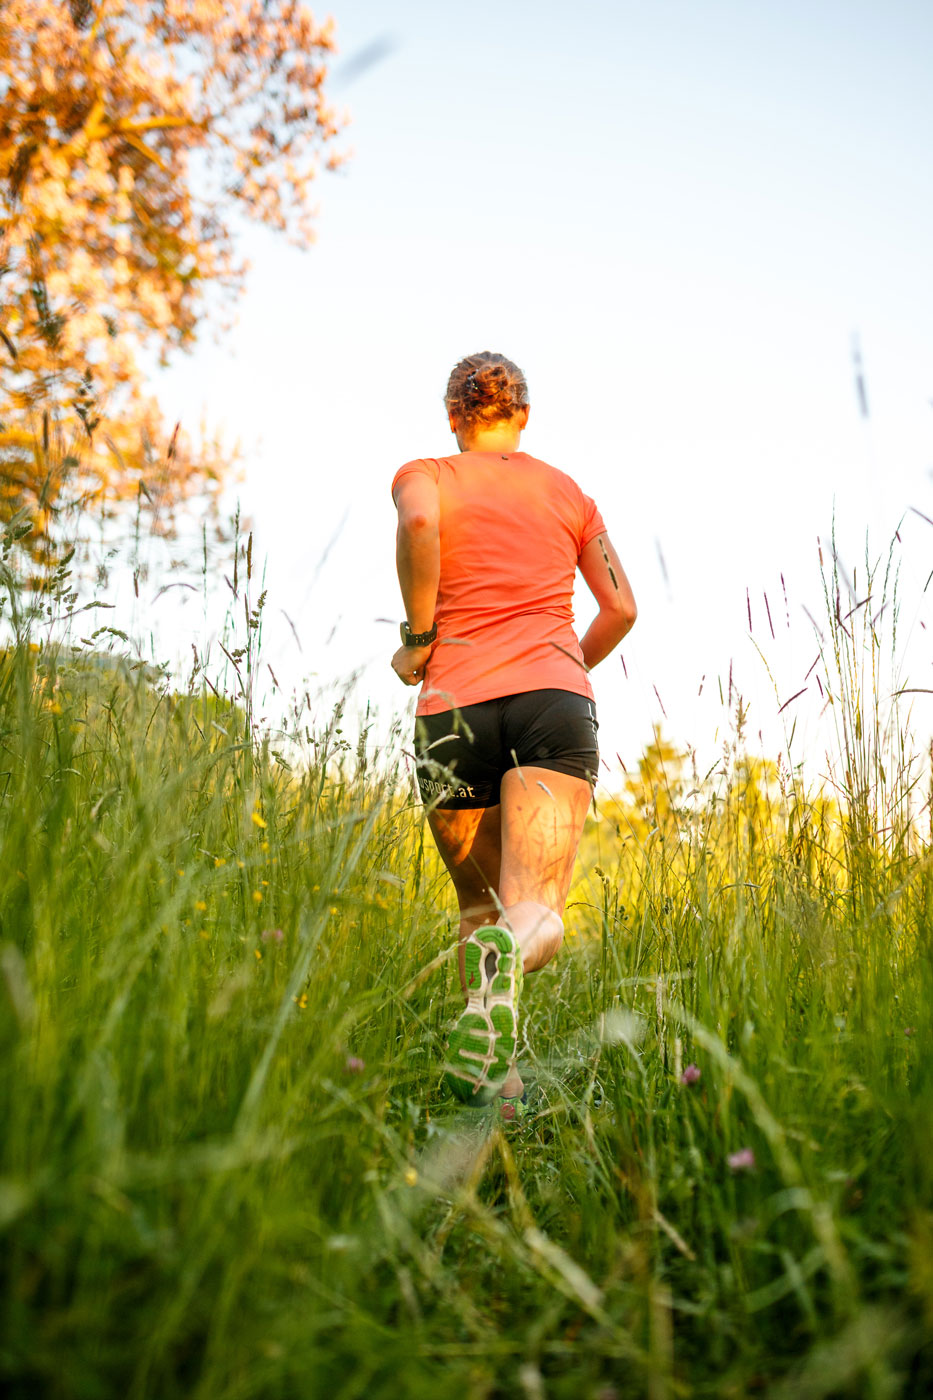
pixel 483 1043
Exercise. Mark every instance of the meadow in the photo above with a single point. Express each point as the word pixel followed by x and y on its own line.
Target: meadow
pixel 230 1169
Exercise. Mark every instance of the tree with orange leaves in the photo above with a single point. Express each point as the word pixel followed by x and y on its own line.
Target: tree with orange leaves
pixel 132 135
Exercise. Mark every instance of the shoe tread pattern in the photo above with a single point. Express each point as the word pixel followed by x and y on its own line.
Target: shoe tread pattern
pixel 482 1045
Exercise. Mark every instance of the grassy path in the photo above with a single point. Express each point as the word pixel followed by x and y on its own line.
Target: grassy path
pixel 229 1169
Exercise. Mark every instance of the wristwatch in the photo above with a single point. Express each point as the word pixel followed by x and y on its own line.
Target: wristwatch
pixel 417 639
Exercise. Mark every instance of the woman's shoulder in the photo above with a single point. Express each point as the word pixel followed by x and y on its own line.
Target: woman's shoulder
pixel 420 466
pixel 556 475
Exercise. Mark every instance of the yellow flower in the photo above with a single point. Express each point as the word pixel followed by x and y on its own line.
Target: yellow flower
pixel 179 872
pixel 200 905
pixel 204 934
pixel 241 864
pixel 257 955
pixel 266 883
pixel 257 896
pixel 218 861
pixel 333 908
pixel 411 1177
pixel 257 820
pixel 264 845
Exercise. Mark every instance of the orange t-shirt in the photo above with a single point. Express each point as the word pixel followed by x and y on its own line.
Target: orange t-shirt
pixel 512 530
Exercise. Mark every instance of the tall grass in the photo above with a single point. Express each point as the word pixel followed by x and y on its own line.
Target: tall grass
pixel 229 1169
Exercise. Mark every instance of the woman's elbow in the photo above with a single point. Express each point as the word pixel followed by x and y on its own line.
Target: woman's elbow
pixel 626 612
pixel 417 523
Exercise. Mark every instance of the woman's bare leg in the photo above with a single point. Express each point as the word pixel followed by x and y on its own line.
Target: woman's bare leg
pixel 468 842
pixel 519 857
pixel 542 816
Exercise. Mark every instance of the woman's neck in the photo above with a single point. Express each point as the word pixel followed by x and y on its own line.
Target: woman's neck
pixel 502 438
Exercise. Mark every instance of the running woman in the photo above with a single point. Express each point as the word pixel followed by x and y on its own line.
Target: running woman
pixel 489 540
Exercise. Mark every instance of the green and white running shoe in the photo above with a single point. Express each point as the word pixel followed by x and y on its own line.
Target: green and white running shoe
pixel 483 1043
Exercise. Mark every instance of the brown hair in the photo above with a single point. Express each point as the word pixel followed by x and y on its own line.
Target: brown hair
pixel 485 389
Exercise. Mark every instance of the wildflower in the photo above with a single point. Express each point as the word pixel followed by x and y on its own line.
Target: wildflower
pixel 355 1065
pixel 218 862
pixel 241 864
pixel 301 1002
pixel 264 846
pixel 272 935
pixel 200 906
pixel 411 1177
pixel 257 820
pixel 257 896
pixel 741 1161
pixel 257 955
pixel 333 909
pixel 205 935
pixel 690 1075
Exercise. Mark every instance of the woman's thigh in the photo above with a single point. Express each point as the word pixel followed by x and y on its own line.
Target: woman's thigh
pixel 524 846
pixel 541 820
pixel 468 842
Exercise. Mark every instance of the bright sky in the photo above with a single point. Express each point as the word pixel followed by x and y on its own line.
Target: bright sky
pixel 675 217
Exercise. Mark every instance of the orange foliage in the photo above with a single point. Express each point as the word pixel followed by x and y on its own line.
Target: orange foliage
pixel 132 134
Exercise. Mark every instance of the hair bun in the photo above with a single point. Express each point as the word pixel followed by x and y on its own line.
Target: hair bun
pixel 486 388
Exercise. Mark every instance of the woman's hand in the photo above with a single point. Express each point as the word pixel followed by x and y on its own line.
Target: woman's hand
pixel 408 663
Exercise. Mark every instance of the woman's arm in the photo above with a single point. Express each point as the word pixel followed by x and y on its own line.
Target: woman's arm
pixel 418 548
pixel 418 561
pixel 605 577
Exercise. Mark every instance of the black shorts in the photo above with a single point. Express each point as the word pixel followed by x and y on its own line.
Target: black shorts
pixel 461 755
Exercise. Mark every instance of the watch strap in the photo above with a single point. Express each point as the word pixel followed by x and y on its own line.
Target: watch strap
pixel 417 639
